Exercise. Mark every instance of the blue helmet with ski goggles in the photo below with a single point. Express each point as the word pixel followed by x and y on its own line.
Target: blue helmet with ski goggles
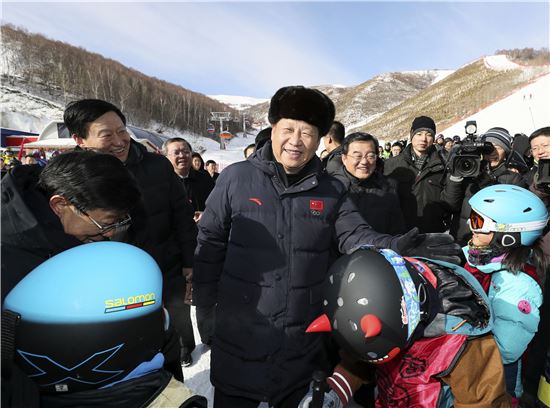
pixel 508 208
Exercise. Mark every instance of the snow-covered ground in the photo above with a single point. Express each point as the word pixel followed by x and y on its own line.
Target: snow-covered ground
pixel 197 376
pixel 500 63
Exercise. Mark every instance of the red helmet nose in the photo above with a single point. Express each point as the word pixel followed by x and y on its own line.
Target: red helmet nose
pixel 371 325
pixel 321 324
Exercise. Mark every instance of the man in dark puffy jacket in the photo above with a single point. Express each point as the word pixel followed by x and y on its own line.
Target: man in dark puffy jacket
pixel 538 357
pixel 79 197
pixel 166 227
pixel 373 194
pixel 263 253
pixel 427 196
pixel 333 145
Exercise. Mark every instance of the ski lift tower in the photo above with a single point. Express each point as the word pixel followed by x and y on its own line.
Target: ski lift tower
pixel 222 117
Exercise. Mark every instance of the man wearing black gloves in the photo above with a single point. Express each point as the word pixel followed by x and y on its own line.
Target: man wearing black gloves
pixel 263 253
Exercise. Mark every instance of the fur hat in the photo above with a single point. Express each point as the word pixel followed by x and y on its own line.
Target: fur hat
pixel 499 137
pixel 300 103
pixel 423 123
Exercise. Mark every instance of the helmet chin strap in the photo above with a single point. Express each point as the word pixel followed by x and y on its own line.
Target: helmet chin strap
pixel 506 240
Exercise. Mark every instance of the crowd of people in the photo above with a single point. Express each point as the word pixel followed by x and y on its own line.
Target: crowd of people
pixel 431 283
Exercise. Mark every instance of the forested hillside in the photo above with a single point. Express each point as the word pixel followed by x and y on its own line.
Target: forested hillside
pixel 33 61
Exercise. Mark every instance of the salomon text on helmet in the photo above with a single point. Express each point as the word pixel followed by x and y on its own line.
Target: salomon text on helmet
pixel 87 317
pixel 510 210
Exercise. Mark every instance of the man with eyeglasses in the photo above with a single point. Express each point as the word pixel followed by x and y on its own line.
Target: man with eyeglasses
pixel 198 186
pixel 539 142
pixel 163 225
pixel 373 193
pixel 534 368
pixel 79 197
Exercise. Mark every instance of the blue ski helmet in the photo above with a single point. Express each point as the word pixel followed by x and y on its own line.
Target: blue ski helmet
pixel 87 317
pixel 510 209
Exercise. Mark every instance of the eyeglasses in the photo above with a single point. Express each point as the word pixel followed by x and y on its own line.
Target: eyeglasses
pixel 371 157
pixel 541 148
pixel 180 152
pixel 480 223
pixel 118 226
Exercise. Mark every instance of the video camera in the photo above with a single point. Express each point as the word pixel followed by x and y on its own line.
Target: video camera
pixel 542 179
pixel 465 157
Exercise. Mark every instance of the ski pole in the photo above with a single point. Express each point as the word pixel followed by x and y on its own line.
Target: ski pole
pixel 318 389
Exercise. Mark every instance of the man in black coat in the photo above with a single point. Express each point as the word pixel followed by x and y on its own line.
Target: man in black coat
pixel 263 254
pixel 79 197
pixel 167 230
pixel 198 186
pixel 427 196
pixel 212 169
pixel 374 195
pixel 538 359
pixel 333 145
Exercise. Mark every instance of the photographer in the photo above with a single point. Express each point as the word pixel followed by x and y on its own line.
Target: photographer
pixel 493 169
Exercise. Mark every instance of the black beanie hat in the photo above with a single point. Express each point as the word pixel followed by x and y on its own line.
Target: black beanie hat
pixel 423 123
pixel 300 103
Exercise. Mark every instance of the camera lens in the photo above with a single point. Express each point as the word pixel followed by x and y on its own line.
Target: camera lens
pixel 467 166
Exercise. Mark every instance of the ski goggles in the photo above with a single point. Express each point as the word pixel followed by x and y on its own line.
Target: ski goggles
pixel 482 224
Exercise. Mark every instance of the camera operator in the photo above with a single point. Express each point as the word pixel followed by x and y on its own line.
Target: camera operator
pixel 493 169
pixel 422 186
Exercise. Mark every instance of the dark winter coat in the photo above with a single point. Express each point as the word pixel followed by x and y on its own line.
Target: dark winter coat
pixel 262 256
pixel 427 197
pixel 198 186
pixel 500 175
pixel 376 199
pixel 170 233
pixel 536 358
pixel 31 232
pixel 334 160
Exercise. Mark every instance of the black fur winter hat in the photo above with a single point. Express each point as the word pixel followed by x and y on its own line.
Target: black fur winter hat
pixel 423 123
pixel 300 103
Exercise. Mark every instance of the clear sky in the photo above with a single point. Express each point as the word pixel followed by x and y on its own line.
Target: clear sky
pixel 253 48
